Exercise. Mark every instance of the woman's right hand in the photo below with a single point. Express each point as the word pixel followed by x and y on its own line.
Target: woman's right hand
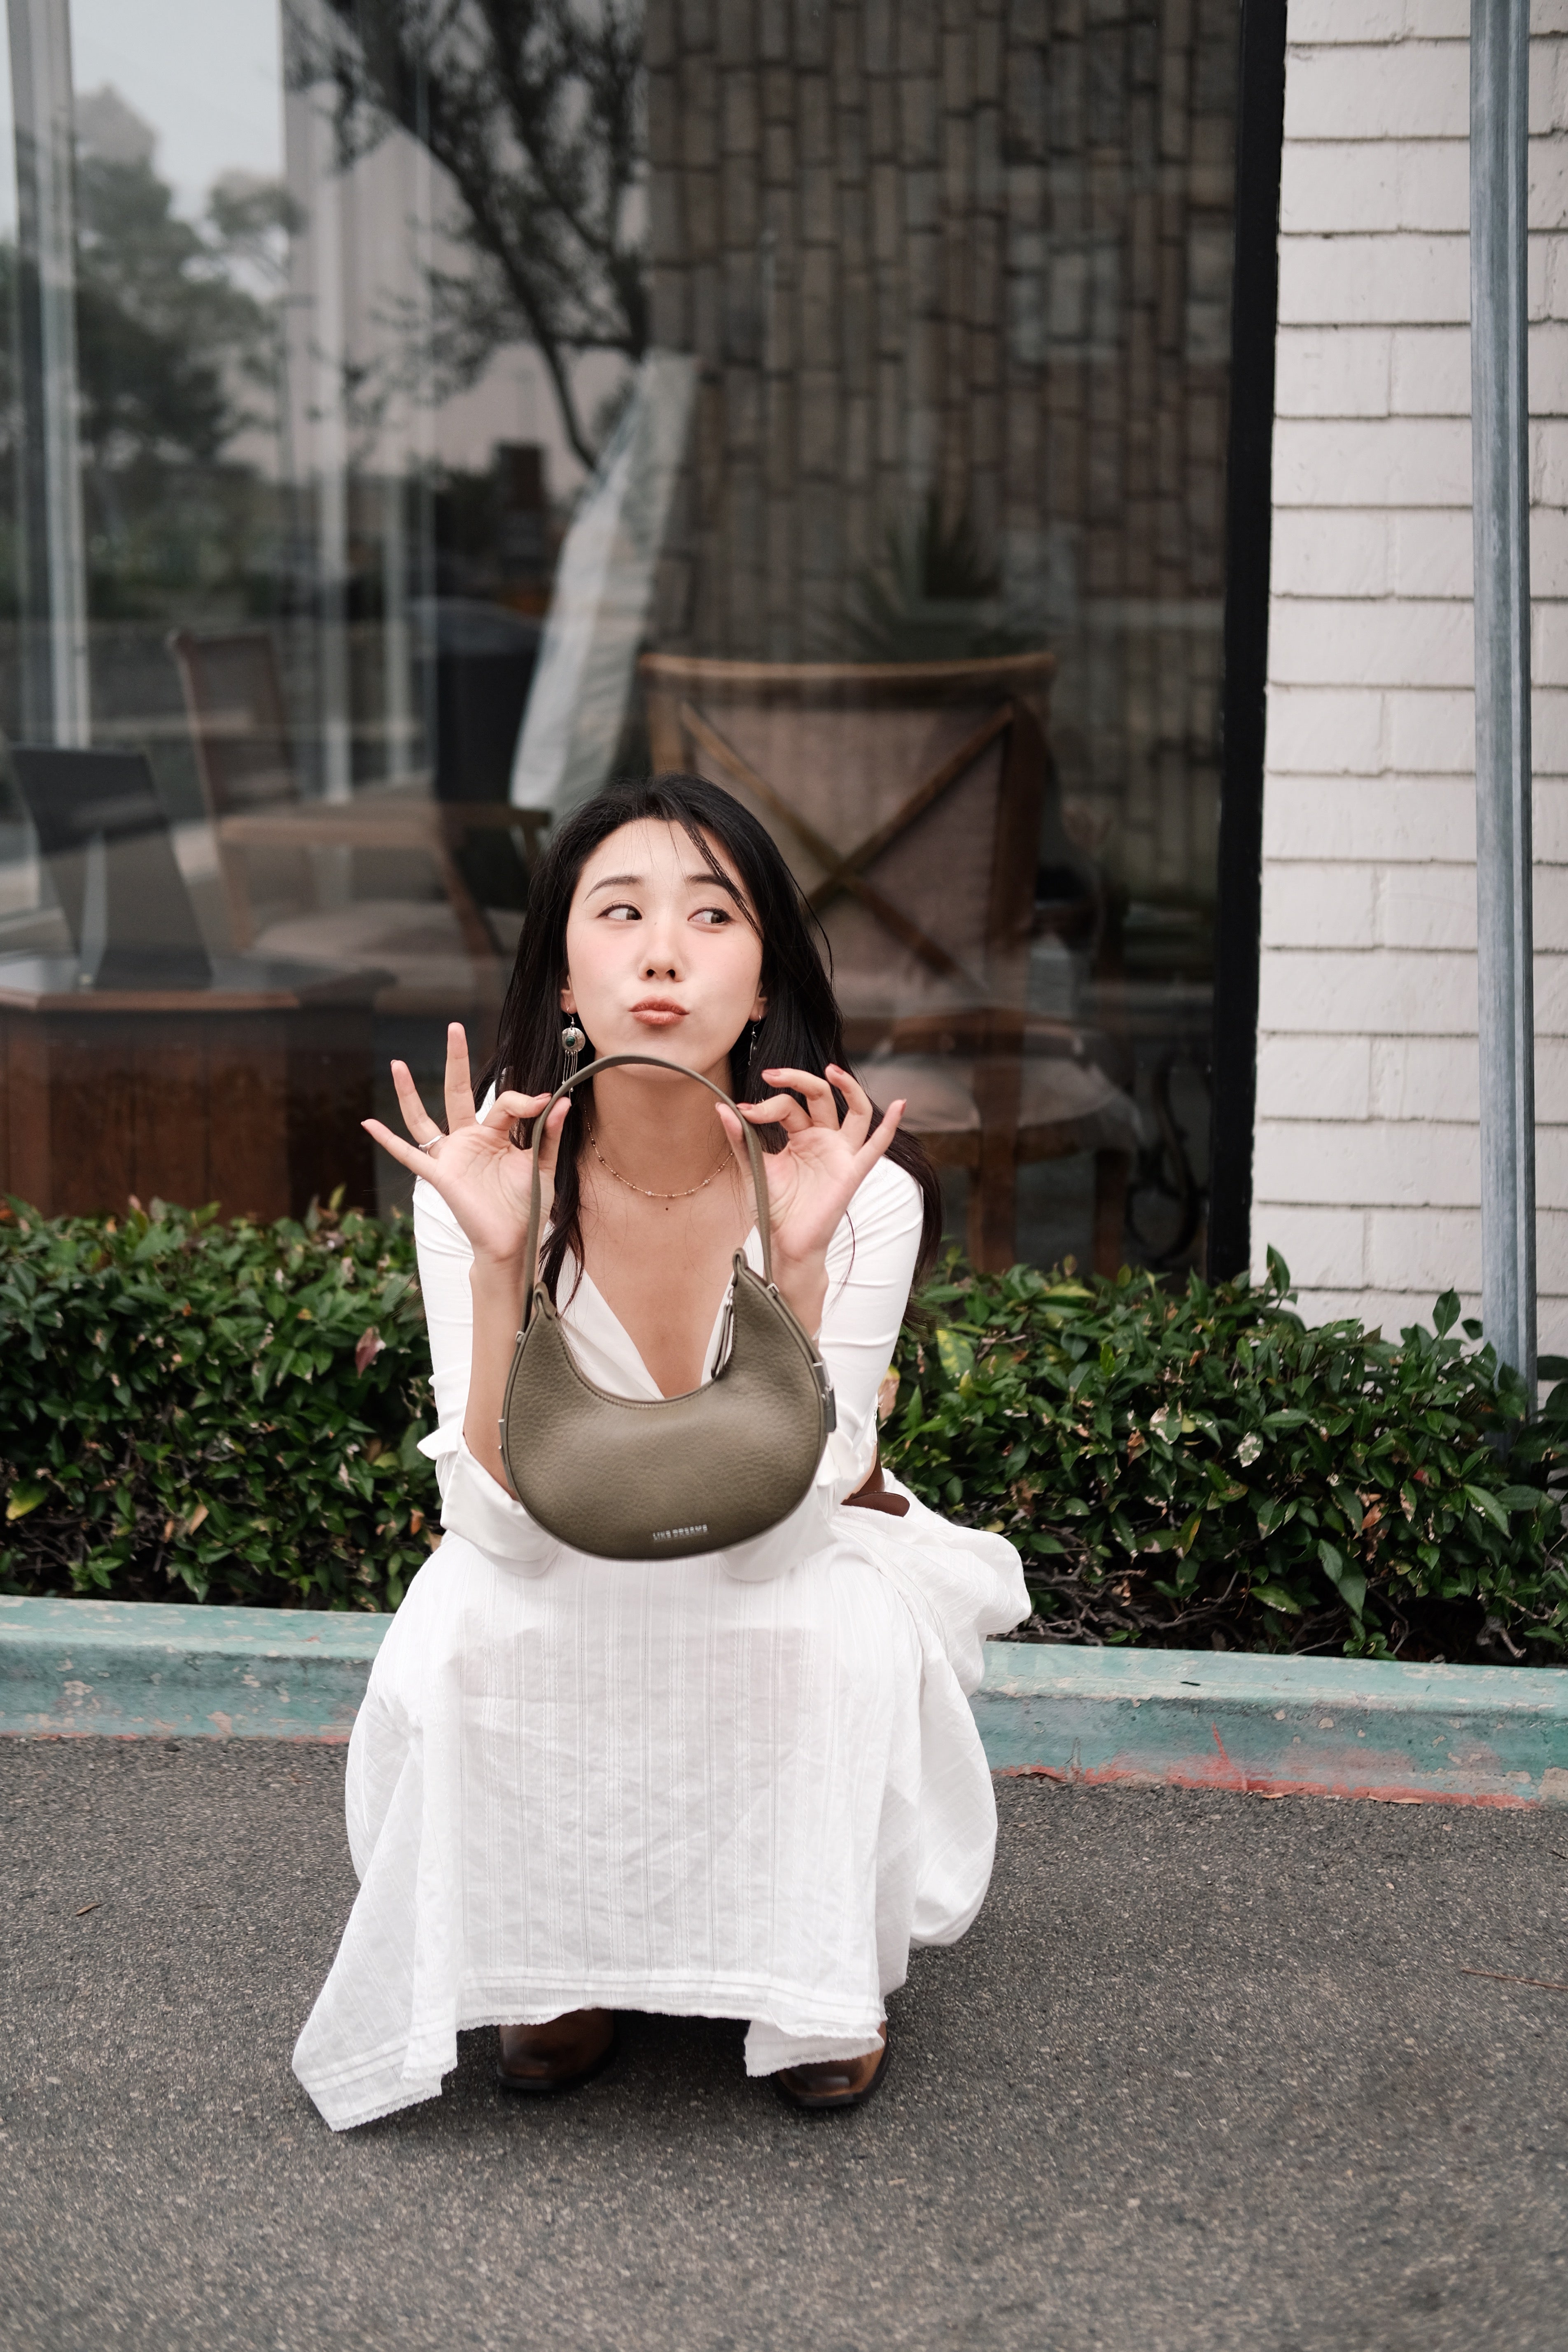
pixel 475 1166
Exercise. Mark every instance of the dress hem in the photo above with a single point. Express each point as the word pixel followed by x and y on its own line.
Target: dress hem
pixel 392 2059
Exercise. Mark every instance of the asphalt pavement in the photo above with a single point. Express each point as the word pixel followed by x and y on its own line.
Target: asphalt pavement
pixel 1208 2073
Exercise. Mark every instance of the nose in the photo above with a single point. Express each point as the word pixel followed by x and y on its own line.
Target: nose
pixel 661 957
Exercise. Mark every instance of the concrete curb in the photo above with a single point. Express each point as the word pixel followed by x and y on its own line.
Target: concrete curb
pixel 135 1670
pixel 1195 1719
pixel 1278 1726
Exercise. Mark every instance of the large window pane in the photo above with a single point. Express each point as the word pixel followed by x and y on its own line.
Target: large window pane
pixel 831 399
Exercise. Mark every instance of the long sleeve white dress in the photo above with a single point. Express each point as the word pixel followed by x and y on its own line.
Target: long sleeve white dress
pixel 735 1786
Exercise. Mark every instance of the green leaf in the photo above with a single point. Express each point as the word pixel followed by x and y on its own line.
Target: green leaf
pixel 23 1500
pixel 1446 1313
pixel 1274 1596
pixel 1489 1507
pixel 954 1353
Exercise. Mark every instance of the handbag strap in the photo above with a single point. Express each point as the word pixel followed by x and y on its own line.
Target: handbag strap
pixel 652 1062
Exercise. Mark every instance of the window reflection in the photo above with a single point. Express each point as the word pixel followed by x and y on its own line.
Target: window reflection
pixel 401 446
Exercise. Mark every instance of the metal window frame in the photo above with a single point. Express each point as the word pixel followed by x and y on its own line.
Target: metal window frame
pixel 1499 440
pixel 55 673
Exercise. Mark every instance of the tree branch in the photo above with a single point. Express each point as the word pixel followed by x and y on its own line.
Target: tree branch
pixel 532 110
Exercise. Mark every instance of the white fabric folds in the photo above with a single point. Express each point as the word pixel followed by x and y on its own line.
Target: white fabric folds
pixel 738 1786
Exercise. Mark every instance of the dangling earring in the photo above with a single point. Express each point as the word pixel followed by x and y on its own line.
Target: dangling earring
pixel 572 1043
pixel 753 1036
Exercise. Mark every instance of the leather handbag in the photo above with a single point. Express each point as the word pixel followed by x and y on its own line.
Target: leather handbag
pixel 639 1478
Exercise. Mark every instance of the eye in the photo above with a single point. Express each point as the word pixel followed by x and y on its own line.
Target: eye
pixel 712 916
pixel 623 912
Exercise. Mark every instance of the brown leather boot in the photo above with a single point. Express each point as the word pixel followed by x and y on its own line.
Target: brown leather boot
pixel 557 2056
pixel 834 2082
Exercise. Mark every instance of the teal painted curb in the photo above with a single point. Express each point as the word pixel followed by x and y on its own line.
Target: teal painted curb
pixel 134 1670
pixel 1278 1727
pixel 1186 1718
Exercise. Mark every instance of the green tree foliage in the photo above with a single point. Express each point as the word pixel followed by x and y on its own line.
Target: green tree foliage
pixel 1175 1465
pixel 230 1412
pixel 179 351
pixel 166 339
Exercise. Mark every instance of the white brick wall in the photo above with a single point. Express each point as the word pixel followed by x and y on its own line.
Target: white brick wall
pixel 1366 1169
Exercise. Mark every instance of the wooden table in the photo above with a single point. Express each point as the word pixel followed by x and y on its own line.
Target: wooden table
pixel 249 1092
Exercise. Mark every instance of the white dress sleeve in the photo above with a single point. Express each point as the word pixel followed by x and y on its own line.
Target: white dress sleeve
pixel 472 1504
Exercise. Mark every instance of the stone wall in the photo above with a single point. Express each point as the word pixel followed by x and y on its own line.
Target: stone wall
pixel 985 249
pixel 1367 1171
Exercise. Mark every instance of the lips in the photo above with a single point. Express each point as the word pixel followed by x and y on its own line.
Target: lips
pixel 657 1011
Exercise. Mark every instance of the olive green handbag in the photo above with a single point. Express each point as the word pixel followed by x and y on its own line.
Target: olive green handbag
pixel 645 1478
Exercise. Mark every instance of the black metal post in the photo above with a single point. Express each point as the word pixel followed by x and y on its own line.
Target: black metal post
pixel 1255 297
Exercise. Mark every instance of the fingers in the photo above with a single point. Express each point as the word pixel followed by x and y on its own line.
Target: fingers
pixel 459 1085
pixel 821 1108
pixel 550 1147
pixel 415 1118
pixel 510 1111
pixel 856 1103
pixel 421 1162
pixel 736 1132
pixel 872 1149
pixel 776 1110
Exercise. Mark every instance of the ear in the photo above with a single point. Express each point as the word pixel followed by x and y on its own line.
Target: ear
pixel 759 1010
pixel 568 1002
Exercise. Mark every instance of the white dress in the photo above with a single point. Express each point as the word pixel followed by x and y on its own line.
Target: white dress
pixel 737 1786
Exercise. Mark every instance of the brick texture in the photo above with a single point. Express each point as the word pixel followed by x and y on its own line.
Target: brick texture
pixel 1367 1149
pixel 980 247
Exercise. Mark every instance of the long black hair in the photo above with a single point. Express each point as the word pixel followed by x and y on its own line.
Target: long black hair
pixel 802 1029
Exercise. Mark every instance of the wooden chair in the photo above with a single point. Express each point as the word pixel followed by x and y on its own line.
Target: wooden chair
pixel 442 952
pixel 908 800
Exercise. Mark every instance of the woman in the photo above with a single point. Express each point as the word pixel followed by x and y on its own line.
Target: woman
pixel 739 1785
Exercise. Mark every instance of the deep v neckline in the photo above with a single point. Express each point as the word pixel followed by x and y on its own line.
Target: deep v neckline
pixel 628 1346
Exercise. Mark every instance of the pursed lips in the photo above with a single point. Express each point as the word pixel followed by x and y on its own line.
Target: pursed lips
pixel 657 1011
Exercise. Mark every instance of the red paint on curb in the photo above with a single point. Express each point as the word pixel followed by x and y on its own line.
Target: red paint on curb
pixel 1243 1784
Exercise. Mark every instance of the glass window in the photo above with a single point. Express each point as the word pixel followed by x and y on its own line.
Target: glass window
pixel 413 429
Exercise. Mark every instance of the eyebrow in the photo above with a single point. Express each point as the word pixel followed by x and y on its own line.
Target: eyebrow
pixel 702 881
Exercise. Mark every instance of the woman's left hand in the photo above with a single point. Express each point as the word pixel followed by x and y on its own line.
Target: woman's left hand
pixel 813 1179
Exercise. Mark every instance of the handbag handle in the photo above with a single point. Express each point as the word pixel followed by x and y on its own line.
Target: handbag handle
pixel 652 1062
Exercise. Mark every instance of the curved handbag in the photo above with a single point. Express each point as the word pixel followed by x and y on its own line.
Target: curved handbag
pixel 640 1478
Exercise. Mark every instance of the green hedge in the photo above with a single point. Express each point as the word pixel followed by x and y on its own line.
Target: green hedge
pixel 1181 1467
pixel 222 1410
pixel 232 1411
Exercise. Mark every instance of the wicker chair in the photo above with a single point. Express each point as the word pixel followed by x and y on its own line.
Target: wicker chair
pixel 908 801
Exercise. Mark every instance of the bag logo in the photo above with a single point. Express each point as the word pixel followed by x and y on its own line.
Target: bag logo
pixel 669 1534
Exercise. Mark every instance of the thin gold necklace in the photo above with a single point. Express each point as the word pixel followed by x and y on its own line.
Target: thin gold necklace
pixel 716 1169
